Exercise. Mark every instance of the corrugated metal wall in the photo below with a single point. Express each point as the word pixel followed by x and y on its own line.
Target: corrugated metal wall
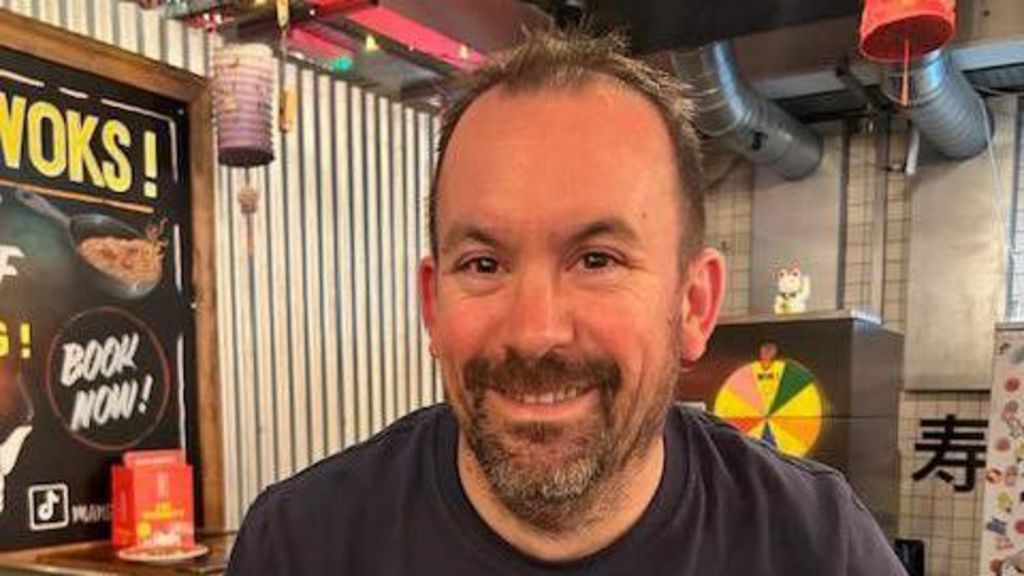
pixel 320 339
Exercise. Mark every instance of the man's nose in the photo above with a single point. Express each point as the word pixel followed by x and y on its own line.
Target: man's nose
pixel 540 317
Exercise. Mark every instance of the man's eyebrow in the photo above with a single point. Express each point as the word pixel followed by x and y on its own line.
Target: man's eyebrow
pixel 463 232
pixel 613 226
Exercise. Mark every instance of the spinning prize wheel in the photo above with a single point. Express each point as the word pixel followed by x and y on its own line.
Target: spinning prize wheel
pixel 774 400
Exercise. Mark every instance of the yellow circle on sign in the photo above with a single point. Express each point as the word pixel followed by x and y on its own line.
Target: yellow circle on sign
pixel 778 402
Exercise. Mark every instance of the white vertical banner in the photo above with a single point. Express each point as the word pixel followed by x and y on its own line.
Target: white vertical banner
pixel 1002 520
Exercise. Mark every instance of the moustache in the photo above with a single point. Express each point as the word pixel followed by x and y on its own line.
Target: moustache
pixel 550 373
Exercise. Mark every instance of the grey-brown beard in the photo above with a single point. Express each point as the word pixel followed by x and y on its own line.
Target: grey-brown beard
pixel 556 499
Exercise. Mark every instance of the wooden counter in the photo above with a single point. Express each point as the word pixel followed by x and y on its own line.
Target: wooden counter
pixel 99 559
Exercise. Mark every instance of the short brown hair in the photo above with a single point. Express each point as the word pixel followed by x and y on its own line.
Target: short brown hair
pixel 567 59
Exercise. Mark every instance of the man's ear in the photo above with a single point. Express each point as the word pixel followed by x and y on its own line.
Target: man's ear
pixel 704 290
pixel 428 294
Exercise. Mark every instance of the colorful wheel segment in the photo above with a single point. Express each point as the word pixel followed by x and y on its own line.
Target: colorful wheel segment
pixel 777 402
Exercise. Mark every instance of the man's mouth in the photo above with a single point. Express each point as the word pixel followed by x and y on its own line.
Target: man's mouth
pixel 562 405
pixel 551 389
pixel 547 397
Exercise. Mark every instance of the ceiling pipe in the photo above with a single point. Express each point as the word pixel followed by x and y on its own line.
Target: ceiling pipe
pixel 943 105
pixel 731 112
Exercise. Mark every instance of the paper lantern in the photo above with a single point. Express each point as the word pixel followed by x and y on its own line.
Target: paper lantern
pixel 898 30
pixel 244 81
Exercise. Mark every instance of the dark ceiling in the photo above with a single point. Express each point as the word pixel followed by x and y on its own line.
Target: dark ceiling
pixel 655 25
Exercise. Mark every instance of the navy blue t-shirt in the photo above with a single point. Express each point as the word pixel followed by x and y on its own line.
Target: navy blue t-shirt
pixel 726 505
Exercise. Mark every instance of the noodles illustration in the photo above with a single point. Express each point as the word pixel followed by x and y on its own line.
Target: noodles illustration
pixel 130 260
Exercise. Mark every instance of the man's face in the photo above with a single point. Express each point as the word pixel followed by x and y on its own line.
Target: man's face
pixel 557 302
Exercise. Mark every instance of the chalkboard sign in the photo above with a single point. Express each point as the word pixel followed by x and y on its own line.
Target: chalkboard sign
pixel 97 331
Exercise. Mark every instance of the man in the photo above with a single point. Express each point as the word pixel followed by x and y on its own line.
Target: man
pixel 566 288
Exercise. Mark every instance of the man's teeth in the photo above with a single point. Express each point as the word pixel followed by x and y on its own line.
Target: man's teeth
pixel 547 398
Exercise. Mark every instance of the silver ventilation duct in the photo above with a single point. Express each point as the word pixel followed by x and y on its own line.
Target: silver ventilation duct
pixel 943 105
pixel 731 112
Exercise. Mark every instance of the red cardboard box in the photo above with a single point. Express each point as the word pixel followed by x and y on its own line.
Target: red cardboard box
pixel 152 500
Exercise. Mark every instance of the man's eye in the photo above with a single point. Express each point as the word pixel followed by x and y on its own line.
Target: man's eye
pixel 597 260
pixel 480 265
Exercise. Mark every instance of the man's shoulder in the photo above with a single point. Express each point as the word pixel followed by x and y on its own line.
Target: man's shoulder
pixel 772 500
pixel 391 457
pixel 336 512
pixel 756 470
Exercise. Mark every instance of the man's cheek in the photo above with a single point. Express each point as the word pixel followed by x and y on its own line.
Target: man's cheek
pixel 458 398
pixel 463 321
pixel 465 335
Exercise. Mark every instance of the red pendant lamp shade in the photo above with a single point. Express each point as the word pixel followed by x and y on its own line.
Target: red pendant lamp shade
pixel 895 30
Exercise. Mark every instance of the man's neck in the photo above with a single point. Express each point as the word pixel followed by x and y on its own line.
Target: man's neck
pixel 623 501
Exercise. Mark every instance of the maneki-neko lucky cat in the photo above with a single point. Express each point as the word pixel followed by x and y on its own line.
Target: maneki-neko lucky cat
pixel 794 290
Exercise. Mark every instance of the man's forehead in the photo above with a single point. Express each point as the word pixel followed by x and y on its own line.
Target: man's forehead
pixel 545 133
pixel 527 210
pixel 592 92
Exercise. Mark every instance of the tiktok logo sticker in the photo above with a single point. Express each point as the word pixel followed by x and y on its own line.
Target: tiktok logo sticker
pixel 47 506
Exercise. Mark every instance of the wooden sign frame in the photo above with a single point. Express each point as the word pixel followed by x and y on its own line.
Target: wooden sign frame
pixel 40 40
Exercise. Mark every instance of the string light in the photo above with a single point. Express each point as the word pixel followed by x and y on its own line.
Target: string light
pixel 371 44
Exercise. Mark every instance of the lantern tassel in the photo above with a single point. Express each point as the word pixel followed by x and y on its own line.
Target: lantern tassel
pixel 249 198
